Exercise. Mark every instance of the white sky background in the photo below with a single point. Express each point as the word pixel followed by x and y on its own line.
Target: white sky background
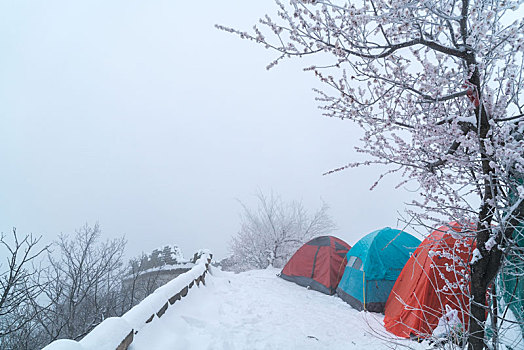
pixel 142 116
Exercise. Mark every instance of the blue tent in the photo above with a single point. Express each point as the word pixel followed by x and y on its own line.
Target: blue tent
pixel 373 265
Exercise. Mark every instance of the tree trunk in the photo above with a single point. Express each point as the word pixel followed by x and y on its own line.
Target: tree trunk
pixel 488 262
pixel 478 311
pixel 483 273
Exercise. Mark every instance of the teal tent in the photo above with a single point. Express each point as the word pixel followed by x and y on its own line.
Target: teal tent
pixel 511 277
pixel 511 280
pixel 373 265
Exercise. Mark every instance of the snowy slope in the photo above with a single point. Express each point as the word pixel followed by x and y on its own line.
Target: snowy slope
pixel 257 310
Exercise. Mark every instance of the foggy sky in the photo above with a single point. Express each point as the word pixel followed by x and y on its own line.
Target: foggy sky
pixel 142 116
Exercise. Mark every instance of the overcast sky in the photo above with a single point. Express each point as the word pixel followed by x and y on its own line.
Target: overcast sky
pixel 142 116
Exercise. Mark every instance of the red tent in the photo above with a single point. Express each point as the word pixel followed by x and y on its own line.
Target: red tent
pixel 435 275
pixel 318 264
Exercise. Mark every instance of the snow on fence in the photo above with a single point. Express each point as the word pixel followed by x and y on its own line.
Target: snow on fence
pixel 116 333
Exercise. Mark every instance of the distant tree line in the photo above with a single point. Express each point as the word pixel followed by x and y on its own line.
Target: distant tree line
pixel 67 288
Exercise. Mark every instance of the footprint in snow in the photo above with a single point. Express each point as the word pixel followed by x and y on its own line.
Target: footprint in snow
pixel 194 322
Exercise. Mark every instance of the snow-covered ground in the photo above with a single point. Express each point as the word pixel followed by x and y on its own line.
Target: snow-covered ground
pixel 258 310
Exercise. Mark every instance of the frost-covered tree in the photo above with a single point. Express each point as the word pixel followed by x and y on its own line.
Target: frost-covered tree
pixel 18 286
pixel 81 284
pixel 273 231
pixel 437 86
